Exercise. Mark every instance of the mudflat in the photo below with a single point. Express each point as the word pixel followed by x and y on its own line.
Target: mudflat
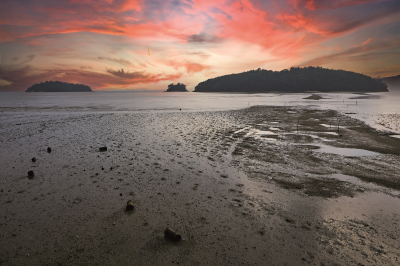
pixel 259 186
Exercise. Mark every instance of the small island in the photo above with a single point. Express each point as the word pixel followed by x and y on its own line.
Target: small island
pixel 177 87
pixel 295 80
pixel 58 86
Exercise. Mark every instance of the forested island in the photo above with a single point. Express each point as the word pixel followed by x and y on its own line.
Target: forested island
pixel 177 87
pixel 58 86
pixel 294 80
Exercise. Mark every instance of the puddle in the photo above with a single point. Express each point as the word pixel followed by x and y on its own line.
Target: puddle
pixel 265 133
pixel 258 134
pixel 241 130
pixel 275 128
pixel 367 185
pixel 332 126
pixel 345 151
pixel 330 133
pixel 355 181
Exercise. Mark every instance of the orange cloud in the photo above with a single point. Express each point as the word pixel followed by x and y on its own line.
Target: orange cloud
pixel 190 67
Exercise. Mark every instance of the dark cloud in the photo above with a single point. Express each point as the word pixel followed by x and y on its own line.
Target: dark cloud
pixel 375 50
pixel 117 60
pixel 203 38
pixel 216 10
pixel 126 75
pixel 28 59
pixel 351 23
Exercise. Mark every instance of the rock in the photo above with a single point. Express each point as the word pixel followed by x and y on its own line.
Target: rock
pixel 103 149
pixel 33 159
pixel 129 205
pixel 48 149
pixel 172 235
pixel 31 174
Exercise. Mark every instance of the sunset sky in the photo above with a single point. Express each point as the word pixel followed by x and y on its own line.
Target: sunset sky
pixel 106 44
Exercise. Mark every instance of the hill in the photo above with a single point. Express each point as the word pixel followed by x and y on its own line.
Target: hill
pixel 58 86
pixel 293 80
pixel 177 87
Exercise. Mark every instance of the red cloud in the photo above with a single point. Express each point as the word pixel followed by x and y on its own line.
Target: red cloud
pixel 283 28
pixel 190 67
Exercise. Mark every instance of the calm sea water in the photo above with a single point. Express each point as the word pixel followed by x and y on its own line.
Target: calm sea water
pixel 380 110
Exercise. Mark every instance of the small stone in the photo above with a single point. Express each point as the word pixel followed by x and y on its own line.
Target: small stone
pixel 172 235
pixel 129 205
pixel 31 174
pixel 103 149
pixel 33 159
pixel 48 149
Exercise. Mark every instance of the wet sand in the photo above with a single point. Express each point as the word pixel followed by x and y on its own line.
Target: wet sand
pixel 259 186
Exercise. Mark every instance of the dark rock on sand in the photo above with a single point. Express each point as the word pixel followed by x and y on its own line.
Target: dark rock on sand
pixel 172 235
pixel 103 149
pixel 31 174
pixel 48 149
pixel 129 205
pixel 33 159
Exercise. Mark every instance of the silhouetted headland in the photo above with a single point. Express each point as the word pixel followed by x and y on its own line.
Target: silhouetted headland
pixel 58 86
pixel 177 87
pixel 294 80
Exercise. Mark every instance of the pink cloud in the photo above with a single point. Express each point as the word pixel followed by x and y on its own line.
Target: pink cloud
pixel 289 30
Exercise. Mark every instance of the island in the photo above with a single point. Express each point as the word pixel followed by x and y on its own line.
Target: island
pixel 58 86
pixel 177 87
pixel 295 80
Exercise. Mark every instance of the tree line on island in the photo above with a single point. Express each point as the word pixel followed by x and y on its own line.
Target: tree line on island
pixel 58 86
pixel 177 87
pixel 307 79
pixel 294 80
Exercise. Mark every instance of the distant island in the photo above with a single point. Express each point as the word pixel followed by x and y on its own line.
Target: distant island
pixel 392 81
pixel 177 87
pixel 58 86
pixel 296 79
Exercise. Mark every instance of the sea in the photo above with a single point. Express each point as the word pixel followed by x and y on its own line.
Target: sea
pixel 379 110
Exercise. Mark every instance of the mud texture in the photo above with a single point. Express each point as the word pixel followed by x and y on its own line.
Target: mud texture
pixel 246 187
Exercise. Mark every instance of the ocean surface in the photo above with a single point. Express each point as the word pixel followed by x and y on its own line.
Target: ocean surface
pixel 379 110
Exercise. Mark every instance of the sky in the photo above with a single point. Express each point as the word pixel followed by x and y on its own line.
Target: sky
pixel 146 44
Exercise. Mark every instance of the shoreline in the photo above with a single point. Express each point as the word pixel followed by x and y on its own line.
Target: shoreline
pixel 242 186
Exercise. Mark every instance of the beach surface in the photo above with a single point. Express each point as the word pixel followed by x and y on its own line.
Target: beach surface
pixel 258 186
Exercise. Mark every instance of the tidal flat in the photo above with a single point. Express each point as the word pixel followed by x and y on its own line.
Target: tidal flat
pixel 257 186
